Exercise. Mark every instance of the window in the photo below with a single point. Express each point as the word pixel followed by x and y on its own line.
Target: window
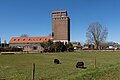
pixel 52 34
pixel 14 39
pixel 23 39
pixel 34 48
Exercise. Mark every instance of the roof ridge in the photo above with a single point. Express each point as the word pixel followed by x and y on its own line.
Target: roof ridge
pixel 31 36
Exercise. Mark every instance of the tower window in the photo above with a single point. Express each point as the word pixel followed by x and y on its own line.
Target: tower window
pixel 52 34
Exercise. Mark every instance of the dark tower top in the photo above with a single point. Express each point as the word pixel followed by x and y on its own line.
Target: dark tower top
pixel 60 26
pixel 62 13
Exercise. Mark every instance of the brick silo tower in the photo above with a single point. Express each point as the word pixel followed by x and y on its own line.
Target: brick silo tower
pixel 60 26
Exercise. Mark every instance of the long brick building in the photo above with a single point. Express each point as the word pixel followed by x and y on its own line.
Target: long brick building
pixel 29 43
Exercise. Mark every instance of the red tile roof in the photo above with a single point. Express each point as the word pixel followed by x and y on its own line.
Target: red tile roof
pixel 30 39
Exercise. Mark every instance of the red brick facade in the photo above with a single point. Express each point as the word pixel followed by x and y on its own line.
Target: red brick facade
pixel 60 25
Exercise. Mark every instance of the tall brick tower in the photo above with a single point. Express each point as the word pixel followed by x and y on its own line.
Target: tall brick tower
pixel 60 26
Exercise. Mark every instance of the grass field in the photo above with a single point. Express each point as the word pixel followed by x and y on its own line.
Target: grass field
pixel 19 67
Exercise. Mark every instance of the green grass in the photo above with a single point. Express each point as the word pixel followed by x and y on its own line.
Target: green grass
pixel 19 67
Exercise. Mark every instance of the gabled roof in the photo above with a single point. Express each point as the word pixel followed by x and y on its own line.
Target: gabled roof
pixel 30 39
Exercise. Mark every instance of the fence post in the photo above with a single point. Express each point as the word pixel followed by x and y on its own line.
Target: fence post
pixel 33 72
pixel 95 63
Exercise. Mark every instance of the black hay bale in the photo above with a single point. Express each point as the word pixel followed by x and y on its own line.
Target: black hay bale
pixel 80 65
pixel 56 61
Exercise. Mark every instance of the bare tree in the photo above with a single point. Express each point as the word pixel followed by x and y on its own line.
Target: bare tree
pixel 96 34
pixel 24 35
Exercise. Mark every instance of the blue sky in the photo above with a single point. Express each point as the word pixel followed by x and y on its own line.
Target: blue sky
pixel 33 17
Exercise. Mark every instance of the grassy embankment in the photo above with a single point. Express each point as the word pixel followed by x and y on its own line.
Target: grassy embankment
pixel 19 67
